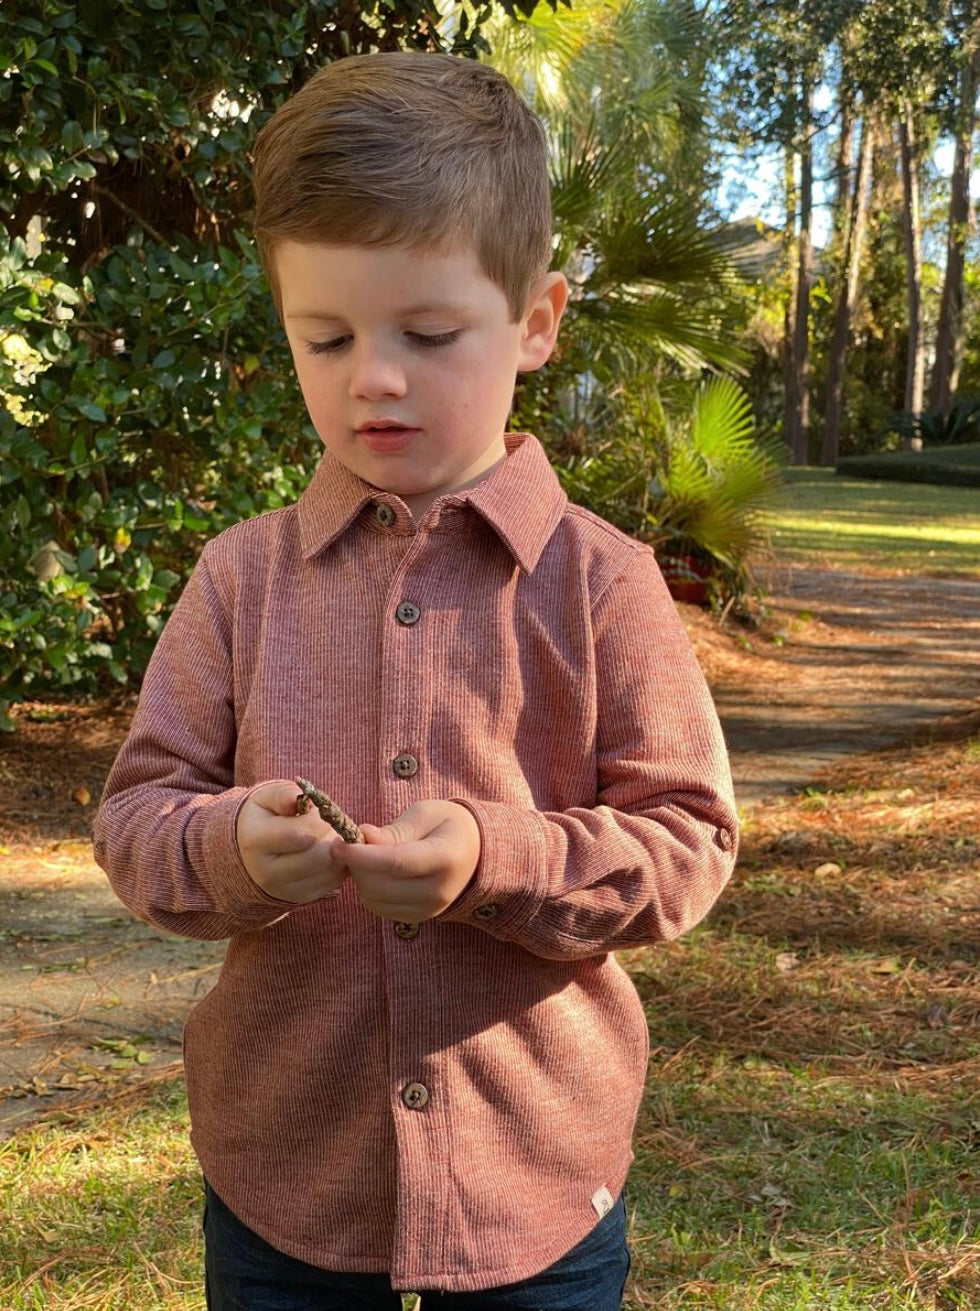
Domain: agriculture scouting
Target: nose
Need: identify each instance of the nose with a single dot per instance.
(375, 372)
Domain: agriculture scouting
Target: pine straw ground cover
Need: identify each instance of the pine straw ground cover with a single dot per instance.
(810, 1131)
(809, 1134)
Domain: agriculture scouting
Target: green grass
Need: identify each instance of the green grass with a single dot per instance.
(811, 1124)
(852, 523)
(810, 1131)
(103, 1212)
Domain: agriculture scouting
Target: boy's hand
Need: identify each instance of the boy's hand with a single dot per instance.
(289, 856)
(416, 867)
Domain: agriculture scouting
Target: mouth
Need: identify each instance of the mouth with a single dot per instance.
(386, 434)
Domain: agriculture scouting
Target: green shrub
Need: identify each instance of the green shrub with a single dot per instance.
(126, 442)
(147, 392)
(953, 466)
(959, 424)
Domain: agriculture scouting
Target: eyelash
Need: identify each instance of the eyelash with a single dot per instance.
(427, 341)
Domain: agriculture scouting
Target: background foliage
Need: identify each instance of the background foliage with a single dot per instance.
(148, 398)
(149, 395)
(656, 302)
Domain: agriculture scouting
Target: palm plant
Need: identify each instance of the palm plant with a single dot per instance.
(619, 86)
(713, 478)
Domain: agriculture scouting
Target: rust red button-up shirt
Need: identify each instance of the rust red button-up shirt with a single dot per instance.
(451, 1105)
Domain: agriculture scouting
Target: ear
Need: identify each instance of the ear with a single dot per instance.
(542, 316)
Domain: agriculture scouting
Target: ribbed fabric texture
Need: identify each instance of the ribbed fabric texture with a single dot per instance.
(548, 684)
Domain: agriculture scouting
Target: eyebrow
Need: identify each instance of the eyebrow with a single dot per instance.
(413, 311)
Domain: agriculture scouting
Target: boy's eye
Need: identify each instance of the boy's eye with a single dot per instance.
(423, 339)
(327, 347)
(435, 338)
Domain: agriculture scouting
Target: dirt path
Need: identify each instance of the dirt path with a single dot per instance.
(858, 662)
(91, 1001)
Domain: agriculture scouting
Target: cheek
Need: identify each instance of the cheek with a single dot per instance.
(316, 394)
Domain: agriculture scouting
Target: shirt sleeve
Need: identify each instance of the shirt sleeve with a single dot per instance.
(649, 859)
(165, 830)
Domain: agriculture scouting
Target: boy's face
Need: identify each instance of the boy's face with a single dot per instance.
(407, 360)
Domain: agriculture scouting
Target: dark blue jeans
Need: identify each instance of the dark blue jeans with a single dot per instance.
(243, 1273)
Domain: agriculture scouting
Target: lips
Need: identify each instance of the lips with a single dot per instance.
(386, 435)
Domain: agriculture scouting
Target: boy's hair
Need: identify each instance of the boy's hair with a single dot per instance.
(409, 149)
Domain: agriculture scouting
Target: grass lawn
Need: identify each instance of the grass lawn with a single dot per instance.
(810, 1132)
(894, 526)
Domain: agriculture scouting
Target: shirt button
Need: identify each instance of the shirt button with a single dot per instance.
(415, 1096)
(724, 839)
(385, 515)
(407, 931)
(408, 613)
(405, 766)
(487, 912)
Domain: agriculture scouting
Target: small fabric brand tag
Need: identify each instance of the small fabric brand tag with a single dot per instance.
(602, 1201)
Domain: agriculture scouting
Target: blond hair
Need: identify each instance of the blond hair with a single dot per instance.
(400, 148)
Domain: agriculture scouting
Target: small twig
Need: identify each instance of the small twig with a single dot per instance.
(130, 214)
(329, 811)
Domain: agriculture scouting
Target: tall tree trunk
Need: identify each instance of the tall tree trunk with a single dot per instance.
(798, 352)
(915, 366)
(949, 338)
(791, 409)
(847, 294)
(845, 169)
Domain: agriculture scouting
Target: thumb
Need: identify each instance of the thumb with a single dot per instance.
(278, 797)
(389, 836)
(410, 826)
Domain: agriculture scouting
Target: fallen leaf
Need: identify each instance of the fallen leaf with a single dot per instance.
(890, 965)
(82, 795)
(825, 871)
(781, 1256)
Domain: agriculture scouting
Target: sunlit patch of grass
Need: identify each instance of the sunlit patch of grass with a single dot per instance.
(817, 515)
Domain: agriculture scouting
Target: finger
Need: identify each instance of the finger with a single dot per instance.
(284, 837)
(386, 859)
(420, 821)
(305, 875)
(375, 836)
(278, 797)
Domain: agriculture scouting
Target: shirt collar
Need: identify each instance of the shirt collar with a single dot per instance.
(521, 500)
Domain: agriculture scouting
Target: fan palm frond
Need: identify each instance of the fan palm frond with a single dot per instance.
(635, 327)
(662, 242)
(582, 169)
(716, 477)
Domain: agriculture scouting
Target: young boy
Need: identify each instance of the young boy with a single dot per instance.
(421, 1065)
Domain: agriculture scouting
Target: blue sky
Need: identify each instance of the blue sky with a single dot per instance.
(752, 189)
